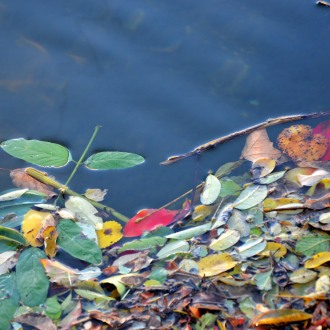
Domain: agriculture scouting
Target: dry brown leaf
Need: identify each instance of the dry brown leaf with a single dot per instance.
(22, 180)
(258, 146)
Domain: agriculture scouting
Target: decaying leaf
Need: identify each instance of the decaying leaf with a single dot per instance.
(318, 260)
(109, 234)
(211, 190)
(258, 146)
(22, 180)
(215, 264)
(96, 195)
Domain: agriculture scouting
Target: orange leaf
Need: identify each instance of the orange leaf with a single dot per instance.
(258, 146)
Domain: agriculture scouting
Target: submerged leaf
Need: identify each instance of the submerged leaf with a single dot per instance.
(108, 160)
(37, 152)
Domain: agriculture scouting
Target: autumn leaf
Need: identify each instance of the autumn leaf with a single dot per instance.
(258, 146)
(22, 180)
(147, 220)
(324, 130)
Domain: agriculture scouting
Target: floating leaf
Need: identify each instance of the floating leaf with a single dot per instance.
(228, 168)
(292, 175)
(9, 299)
(258, 146)
(229, 188)
(211, 190)
(225, 240)
(317, 260)
(50, 236)
(23, 180)
(13, 194)
(303, 275)
(37, 152)
(84, 211)
(190, 232)
(12, 235)
(147, 220)
(72, 241)
(264, 280)
(96, 195)
(250, 196)
(53, 308)
(311, 179)
(262, 167)
(108, 160)
(118, 283)
(143, 244)
(110, 234)
(273, 177)
(280, 316)
(251, 247)
(215, 264)
(276, 249)
(323, 284)
(8, 261)
(90, 295)
(31, 226)
(309, 245)
(32, 282)
(324, 129)
(173, 248)
(300, 144)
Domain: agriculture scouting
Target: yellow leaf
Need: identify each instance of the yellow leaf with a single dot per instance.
(215, 264)
(278, 250)
(317, 260)
(31, 226)
(110, 234)
(280, 316)
(50, 237)
(262, 167)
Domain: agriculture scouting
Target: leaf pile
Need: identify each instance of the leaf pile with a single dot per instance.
(252, 253)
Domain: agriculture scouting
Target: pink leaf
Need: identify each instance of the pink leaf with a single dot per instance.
(324, 129)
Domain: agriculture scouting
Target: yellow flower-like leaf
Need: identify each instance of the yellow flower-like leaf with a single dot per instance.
(215, 264)
(50, 237)
(31, 226)
(110, 234)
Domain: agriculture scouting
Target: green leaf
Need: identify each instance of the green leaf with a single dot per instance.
(225, 240)
(264, 280)
(272, 177)
(143, 244)
(211, 190)
(32, 282)
(228, 168)
(172, 248)
(191, 232)
(37, 152)
(53, 308)
(108, 160)
(310, 245)
(251, 247)
(250, 196)
(229, 188)
(9, 299)
(13, 235)
(71, 240)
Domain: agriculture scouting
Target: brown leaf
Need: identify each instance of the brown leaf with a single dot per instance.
(37, 321)
(21, 179)
(258, 146)
(67, 322)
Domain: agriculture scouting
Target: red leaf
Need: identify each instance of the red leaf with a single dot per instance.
(147, 220)
(324, 129)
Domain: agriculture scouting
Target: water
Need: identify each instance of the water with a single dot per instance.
(161, 77)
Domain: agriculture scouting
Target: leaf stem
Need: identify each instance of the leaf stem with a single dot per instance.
(44, 178)
(97, 128)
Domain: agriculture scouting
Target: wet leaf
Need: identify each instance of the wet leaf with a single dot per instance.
(262, 167)
(32, 282)
(317, 260)
(225, 240)
(13, 194)
(211, 190)
(258, 146)
(228, 168)
(277, 250)
(273, 177)
(311, 179)
(323, 284)
(84, 211)
(73, 242)
(215, 264)
(67, 322)
(279, 316)
(303, 275)
(90, 295)
(53, 308)
(109, 160)
(39, 322)
(8, 261)
(190, 232)
(117, 281)
(23, 180)
(229, 188)
(96, 195)
(310, 245)
(264, 280)
(324, 127)
(143, 244)
(12, 235)
(50, 236)
(250, 196)
(147, 220)
(110, 234)
(37, 152)
(172, 248)
(292, 175)
(251, 247)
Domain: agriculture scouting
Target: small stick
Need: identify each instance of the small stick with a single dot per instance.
(44, 178)
(267, 123)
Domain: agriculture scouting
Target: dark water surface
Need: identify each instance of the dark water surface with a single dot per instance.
(161, 77)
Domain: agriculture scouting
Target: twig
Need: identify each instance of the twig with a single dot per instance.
(267, 123)
(44, 178)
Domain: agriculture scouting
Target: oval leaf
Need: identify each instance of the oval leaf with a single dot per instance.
(225, 240)
(215, 264)
(32, 282)
(318, 260)
(71, 240)
(211, 190)
(37, 152)
(108, 160)
(250, 196)
(172, 248)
